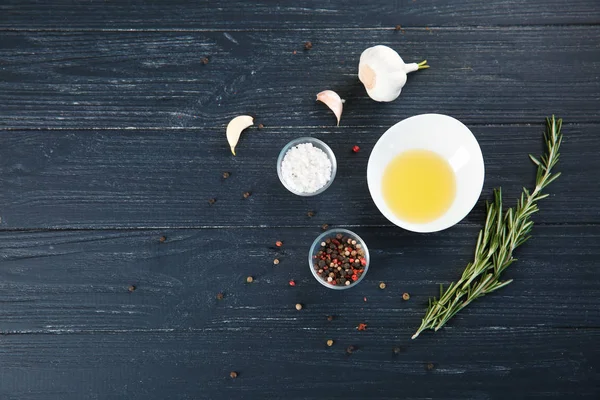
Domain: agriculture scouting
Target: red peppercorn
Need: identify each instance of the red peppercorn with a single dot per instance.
(363, 261)
(278, 243)
(292, 283)
(356, 149)
(354, 277)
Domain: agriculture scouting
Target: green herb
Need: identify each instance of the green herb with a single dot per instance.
(502, 233)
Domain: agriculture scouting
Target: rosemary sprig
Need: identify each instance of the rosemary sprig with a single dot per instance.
(502, 233)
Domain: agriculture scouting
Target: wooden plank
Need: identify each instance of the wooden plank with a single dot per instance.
(157, 79)
(77, 281)
(528, 363)
(308, 15)
(155, 178)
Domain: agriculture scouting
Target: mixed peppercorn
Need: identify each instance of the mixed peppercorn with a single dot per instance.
(340, 260)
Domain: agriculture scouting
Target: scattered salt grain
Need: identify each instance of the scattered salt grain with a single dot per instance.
(306, 168)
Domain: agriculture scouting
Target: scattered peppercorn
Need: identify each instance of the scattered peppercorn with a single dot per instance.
(276, 261)
(398, 27)
(396, 350)
(330, 343)
(204, 60)
(362, 327)
(382, 285)
(212, 201)
(365, 299)
(162, 239)
(356, 149)
(292, 282)
(307, 46)
(405, 296)
(226, 175)
(294, 52)
(330, 318)
(279, 243)
(310, 214)
(247, 194)
(249, 279)
(325, 227)
(298, 306)
(233, 374)
(260, 126)
(429, 366)
(350, 349)
(131, 288)
(220, 296)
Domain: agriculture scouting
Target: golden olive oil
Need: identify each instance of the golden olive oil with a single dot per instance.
(419, 186)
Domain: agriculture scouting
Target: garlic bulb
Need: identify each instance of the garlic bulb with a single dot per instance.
(383, 72)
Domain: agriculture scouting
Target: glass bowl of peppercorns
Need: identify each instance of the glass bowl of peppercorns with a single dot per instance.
(339, 259)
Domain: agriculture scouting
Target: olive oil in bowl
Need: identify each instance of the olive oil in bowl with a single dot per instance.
(419, 186)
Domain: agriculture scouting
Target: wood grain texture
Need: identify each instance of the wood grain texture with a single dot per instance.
(77, 281)
(273, 15)
(112, 136)
(157, 79)
(532, 363)
(154, 178)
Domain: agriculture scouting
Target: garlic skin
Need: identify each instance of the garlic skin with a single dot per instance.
(332, 100)
(235, 128)
(383, 72)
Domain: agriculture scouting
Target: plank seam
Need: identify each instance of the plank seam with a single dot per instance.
(198, 128)
(374, 28)
(238, 227)
(70, 331)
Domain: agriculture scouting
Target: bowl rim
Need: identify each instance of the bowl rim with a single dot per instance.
(329, 233)
(312, 140)
(428, 227)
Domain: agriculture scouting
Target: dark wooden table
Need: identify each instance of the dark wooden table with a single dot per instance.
(112, 136)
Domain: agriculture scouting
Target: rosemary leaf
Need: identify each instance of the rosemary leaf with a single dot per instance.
(502, 233)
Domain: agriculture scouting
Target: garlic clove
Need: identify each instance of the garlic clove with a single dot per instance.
(235, 128)
(383, 72)
(332, 100)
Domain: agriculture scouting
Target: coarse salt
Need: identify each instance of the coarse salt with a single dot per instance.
(306, 168)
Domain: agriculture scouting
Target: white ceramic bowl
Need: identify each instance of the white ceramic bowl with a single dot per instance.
(445, 136)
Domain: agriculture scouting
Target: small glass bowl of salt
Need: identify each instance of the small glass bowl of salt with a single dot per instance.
(306, 166)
